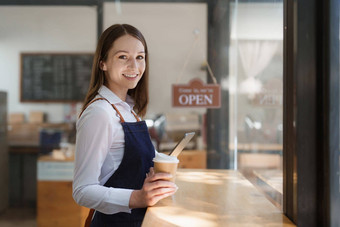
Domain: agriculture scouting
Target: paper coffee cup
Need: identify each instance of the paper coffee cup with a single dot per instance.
(165, 164)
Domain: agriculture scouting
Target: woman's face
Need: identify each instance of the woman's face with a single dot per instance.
(125, 65)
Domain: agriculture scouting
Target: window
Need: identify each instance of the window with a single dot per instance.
(256, 93)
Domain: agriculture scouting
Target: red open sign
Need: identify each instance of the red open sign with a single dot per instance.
(196, 94)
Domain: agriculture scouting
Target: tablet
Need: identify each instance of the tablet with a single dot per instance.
(181, 145)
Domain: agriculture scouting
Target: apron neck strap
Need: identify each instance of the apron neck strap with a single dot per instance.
(90, 104)
(134, 114)
(114, 107)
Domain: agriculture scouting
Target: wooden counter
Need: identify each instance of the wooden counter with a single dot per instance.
(55, 205)
(210, 198)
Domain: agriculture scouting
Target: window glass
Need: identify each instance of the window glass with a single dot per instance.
(256, 93)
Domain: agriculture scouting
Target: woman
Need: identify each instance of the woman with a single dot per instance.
(113, 161)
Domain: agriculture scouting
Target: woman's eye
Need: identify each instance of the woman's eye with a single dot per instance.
(140, 57)
(122, 57)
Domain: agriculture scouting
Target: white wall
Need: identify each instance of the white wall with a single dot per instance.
(169, 31)
(41, 29)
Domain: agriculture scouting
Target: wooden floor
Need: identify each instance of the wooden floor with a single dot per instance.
(15, 217)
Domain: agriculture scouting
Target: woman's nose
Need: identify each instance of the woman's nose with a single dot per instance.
(132, 63)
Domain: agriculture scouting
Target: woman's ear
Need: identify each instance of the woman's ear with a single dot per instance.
(102, 66)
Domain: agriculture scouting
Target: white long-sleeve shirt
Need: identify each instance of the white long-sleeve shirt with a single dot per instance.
(99, 152)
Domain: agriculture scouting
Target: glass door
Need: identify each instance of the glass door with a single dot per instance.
(256, 93)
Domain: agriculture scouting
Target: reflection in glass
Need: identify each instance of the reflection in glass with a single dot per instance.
(256, 93)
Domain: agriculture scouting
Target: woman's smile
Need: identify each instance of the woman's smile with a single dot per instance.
(132, 76)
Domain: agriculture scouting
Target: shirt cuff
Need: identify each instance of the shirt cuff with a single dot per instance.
(124, 199)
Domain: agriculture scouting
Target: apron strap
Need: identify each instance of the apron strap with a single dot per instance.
(89, 218)
(134, 114)
(90, 104)
(114, 107)
(120, 115)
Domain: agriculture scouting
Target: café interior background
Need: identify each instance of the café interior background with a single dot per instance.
(176, 34)
(255, 54)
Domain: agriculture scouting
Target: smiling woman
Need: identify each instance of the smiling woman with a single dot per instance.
(113, 172)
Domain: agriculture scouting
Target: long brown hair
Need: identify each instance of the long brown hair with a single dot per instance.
(140, 93)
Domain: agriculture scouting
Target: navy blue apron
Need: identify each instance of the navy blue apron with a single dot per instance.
(131, 173)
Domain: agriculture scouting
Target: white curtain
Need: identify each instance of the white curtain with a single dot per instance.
(255, 56)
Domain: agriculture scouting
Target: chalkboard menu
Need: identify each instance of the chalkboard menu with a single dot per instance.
(55, 77)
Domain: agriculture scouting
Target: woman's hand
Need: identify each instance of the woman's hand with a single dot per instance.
(156, 187)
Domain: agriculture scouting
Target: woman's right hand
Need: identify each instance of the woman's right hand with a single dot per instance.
(156, 187)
